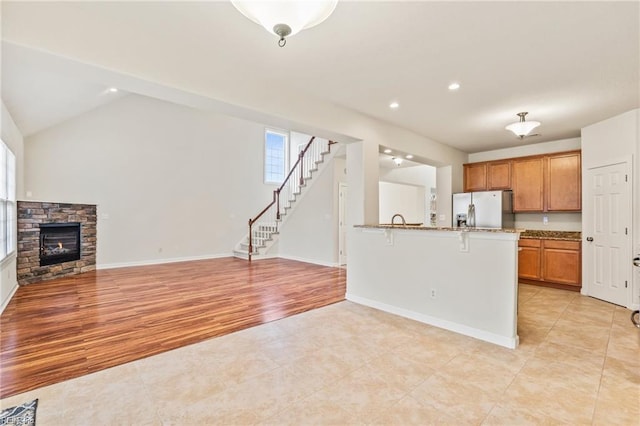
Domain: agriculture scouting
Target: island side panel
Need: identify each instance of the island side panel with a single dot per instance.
(473, 274)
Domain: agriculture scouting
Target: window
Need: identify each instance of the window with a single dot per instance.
(7, 201)
(275, 158)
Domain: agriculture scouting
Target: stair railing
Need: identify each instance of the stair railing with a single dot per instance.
(291, 184)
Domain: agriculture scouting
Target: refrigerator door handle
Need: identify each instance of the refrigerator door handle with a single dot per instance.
(471, 216)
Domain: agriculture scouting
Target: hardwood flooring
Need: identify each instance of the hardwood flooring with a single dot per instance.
(65, 328)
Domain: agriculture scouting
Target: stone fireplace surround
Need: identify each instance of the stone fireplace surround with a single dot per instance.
(30, 215)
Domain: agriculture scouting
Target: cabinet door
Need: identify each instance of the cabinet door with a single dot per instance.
(563, 183)
(561, 262)
(528, 178)
(529, 259)
(499, 175)
(475, 177)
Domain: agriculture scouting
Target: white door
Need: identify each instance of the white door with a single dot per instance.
(342, 225)
(607, 236)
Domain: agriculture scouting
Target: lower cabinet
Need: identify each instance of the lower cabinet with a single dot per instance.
(552, 262)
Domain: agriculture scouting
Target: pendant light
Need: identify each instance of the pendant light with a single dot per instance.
(522, 128)
(286, 17)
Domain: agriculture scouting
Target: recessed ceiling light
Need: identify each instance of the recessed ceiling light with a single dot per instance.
(408, 156)
(394, 105)
(113, 89)
(454, 86)
(387, 151)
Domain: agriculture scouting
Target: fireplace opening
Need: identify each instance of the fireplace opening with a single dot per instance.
(59, 242)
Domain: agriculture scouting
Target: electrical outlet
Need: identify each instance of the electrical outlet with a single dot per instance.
(545, 220)
(433, 293)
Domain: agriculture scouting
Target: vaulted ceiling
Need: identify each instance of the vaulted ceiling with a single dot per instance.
(569, 64)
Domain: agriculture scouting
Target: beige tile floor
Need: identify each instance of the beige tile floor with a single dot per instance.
(578, 363)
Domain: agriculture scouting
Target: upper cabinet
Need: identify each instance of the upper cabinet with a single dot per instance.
(528, 185)
(564, 182)
(475, 177)
(499, 175)
(541, 183)
(487, 176)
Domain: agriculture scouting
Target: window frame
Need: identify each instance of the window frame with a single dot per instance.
(8, 202)
(266, 175)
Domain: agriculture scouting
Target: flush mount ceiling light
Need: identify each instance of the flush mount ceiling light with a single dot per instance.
(387, 151)
(522, 128)
(409, 156)
(286, 17)
(394, 105)
(454, 86)
(397, 160)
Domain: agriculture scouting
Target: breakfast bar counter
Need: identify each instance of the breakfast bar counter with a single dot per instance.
(461, 279)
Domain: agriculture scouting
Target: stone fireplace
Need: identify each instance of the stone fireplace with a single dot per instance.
(55, 240)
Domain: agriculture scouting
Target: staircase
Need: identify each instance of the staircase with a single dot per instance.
(265, 226)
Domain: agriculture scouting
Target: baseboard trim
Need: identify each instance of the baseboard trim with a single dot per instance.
(162, 261)
(507, 342)
(5, 303)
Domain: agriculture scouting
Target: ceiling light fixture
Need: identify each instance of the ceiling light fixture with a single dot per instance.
(408, 156)
(387, 151)
(454, 86)
(112, 89)
(522, 128)
(394, 105)
(397, 160)
(286, 17)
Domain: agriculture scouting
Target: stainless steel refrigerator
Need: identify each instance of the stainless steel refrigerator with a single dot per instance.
(484, 209)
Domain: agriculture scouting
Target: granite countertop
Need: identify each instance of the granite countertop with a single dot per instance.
(431, 228)
(552, 235)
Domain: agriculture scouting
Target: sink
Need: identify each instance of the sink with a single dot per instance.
(400, 225)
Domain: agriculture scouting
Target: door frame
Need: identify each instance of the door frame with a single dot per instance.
(342, 215)
(586, 290)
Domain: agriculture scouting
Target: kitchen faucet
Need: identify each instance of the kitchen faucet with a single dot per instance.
(404, 222)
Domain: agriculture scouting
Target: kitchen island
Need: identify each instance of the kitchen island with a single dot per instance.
(460, 279)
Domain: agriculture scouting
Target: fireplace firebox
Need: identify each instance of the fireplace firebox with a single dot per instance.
(59, 242)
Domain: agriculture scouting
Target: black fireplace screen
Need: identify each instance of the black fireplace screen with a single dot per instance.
(59, 242)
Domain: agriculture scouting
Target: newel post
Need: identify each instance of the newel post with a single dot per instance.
(276, 194)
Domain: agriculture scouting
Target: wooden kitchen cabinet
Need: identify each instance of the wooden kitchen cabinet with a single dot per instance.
(550, 262)
(529, 259)
(561, 262)
(563, 188)
(487, 176)
(475, 177)
(540, 183)
(528, 184)
(498, 175)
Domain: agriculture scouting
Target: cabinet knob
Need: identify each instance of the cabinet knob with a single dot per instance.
(589, 239)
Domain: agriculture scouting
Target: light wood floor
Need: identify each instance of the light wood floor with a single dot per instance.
(65, 328)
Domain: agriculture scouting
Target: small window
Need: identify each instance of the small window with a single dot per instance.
(275, 158)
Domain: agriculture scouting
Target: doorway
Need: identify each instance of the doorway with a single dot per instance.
(607, 233)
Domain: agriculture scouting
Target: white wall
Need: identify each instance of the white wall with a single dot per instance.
(418, 175)
(555, 221)
(404, 190)
(310, 233)
(170, 182)
(12, 137)
(525, 150)
(475, 287)
(610, 141)
(407, 200)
